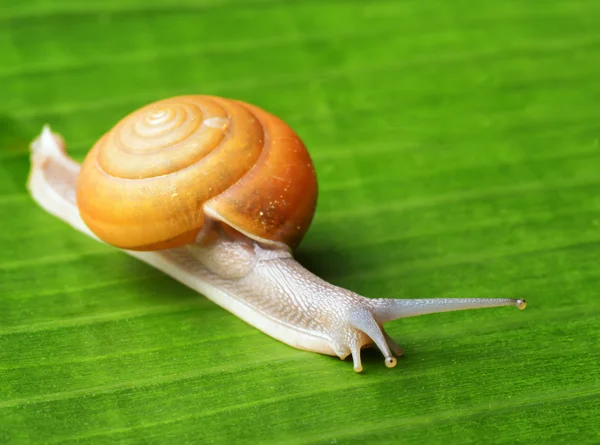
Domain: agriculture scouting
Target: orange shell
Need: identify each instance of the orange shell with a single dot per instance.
(150, 182)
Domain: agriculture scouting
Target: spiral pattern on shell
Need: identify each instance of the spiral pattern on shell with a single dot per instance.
(152, 181)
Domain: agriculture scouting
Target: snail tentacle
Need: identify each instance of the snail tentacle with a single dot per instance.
(396, 349)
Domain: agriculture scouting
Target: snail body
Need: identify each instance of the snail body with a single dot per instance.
(218, 193)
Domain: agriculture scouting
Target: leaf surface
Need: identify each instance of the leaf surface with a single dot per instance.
(457, 150)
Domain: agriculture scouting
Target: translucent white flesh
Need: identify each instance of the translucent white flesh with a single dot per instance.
(266, 288)
(52, 184)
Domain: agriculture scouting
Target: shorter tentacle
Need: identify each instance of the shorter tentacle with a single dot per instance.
(356, 358)
(392, 344)
(364, 321)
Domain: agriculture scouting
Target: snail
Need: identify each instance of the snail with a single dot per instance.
(218, 194)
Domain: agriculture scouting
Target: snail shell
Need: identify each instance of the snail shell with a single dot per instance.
(153, 180)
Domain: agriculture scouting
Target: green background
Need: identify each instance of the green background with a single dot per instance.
(457, 149)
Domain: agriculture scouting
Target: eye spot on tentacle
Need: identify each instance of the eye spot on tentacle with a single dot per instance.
(390, 362)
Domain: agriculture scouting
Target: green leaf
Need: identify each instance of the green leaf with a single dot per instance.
(457, 149)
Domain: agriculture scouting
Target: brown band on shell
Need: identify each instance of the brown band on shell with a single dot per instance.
(276, 200)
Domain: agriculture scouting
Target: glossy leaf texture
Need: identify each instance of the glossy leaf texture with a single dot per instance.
(457, 146)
